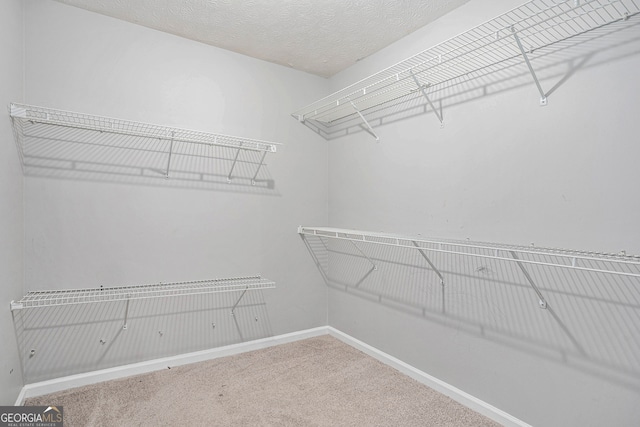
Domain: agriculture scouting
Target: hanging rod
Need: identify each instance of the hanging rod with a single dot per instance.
(573, 259)
(535, 25)
(37, 299)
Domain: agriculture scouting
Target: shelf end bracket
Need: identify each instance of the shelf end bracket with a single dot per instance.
(543, 96)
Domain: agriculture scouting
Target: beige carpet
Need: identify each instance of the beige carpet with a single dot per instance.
(315, 382)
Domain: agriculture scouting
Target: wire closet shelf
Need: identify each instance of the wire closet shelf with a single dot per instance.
(47, 137)
(511, 36)
(615, 264)
(36, 299)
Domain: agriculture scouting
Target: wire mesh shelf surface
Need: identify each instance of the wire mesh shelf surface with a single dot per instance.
(534, 25)
(75, 143)
(33, 114)
(616, 264)
(124, 293)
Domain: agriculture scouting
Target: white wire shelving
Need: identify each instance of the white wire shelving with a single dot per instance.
(509, 38)
(53, 138)
(54, 298)
(523, 256)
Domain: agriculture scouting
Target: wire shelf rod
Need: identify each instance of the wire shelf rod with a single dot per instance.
(473, 63)
(538, 23)
(338, 234)
(51, 298)
(217, 141)
(53, 117)
(566, 253)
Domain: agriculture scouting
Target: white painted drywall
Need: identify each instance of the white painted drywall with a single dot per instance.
(11, 211)
(502, 169)
(86, 234)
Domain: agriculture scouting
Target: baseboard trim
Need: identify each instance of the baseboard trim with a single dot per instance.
(72, 381)
(456, 394)
(21, 396)
(79, 380)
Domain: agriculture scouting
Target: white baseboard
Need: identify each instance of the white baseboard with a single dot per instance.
(79, 380)
(64, 383)
(456, 394)
(21, 396)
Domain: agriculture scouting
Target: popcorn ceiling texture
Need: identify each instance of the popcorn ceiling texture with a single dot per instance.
(319, 37)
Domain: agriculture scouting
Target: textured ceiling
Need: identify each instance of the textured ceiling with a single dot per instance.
(321, 37)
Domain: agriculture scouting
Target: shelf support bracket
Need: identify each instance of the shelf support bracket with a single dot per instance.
(126, 315)
(375, 267)
(238, 302)
(543, 96)
(541, 301)
(169, 159)
(235, 160)
(365, 121)
(433, 267)
(253, 180)
(424, 93)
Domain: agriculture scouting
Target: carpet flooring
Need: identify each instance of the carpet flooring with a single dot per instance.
(314, 382)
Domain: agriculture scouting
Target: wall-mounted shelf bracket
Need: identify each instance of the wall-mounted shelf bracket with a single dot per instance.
(255, 175)
(235, 160)
(433, 267)
(365, 121)
(543, 96)
(424, 93)
(238, 302)
(375, 267)
(542, 302)
(126, 315)
(170, 152)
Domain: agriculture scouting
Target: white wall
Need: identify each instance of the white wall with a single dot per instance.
(11, 211)
(82, 233)
(503, 169)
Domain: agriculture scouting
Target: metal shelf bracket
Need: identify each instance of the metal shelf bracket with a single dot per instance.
(543, 96)
(126, 314)
(542, 302)
(235, 160)
(375, 267)
(424, 93)
(433, 267)
(169, 159)
(365, 121)
(253, 180)
(238, 302)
